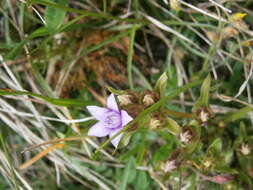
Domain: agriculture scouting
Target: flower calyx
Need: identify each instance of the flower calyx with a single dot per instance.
(125, 99)
(149, 98)
(203, 115)
(187, 135)
(155, 123)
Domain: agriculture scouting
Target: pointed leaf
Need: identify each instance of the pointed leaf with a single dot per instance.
(173, 126)
(55, 101)
(55, 16)
(216, 146)
(115, 91)
(233, 116)
(204, 94)
(161, 84)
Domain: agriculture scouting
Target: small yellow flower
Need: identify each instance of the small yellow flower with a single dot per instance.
(246, 43)
(175, 5)
(236, 17)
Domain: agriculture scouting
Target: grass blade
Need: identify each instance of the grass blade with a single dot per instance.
(58, 102)
(127, 173)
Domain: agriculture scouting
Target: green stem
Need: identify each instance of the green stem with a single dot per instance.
(104, 6)
(130, 57)
(178, 114)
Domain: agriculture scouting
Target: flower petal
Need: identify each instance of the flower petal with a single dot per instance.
(98, 130)
(125, 118)
(116, 140)
(97, 112)
(111, 103)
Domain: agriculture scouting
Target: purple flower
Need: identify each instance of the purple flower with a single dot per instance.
(110, 120)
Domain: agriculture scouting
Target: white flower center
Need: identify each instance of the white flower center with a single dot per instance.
(112, 120)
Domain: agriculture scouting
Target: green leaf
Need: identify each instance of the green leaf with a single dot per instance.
(161, 154)
(243, 132)
(190, 148)
(129, 172)
(173, 126)
(228, 156)
(42, 31)
(125, 139)
(216, 146)
(142, 149)
(18, 48)
(115, 91)
(55, 16)
(142, 181)
(233, 116)
(204, 94)
(225, 169)
(84, 12)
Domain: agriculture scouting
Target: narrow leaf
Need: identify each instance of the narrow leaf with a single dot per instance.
(230, 117)
(129, 169)
(58, 102)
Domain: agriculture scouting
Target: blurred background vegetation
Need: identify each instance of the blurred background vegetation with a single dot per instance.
(71, 51)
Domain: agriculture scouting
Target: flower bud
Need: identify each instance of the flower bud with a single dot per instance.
(154, 123)
(221, 124)
(229, 32)
(220, 179)
(124, 99)
(148, 100)
(207, 163)
(161, 85)
(203, 115)
(245, 149)
(213, 36)
(173, 127)
(169, 166)
(185, 137)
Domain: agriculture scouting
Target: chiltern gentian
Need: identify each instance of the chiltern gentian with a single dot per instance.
(110, 120)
